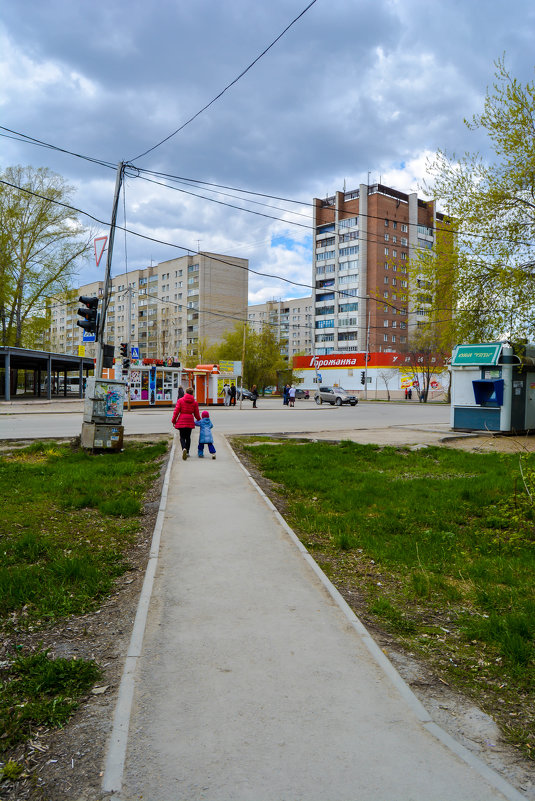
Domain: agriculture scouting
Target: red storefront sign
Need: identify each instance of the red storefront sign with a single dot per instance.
(345, 361)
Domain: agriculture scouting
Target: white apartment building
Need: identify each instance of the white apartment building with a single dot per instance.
(166, 310)
(292, 321)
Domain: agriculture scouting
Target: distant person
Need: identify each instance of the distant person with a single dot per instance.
(205, 435)
(410, 393)
(406, 393)
(232, 394)
(226, 394)
(180, 393)
(291, 396)
(254, 395)
(286, 395)
(184, 416)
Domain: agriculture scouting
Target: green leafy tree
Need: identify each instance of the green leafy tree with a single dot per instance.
(492, 209)
(262, 354)
(41, 243)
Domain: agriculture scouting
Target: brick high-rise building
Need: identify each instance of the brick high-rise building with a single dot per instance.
(363, 244)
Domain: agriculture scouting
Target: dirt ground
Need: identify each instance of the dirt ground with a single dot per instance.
(67, 764)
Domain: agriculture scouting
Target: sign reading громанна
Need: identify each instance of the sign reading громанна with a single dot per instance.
(477, 354)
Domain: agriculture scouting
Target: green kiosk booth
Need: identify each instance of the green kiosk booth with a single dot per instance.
(493, 387)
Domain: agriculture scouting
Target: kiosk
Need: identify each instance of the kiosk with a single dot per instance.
(493, 387)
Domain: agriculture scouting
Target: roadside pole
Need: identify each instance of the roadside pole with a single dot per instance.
(366, 365)
(102, 323)
(242, 363)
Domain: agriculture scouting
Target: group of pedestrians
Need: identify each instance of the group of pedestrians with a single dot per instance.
(185, 417)
(288, 395)
(229, 394)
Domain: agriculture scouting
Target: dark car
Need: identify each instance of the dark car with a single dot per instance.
(302, 393)
(247, 394)
(336, 396)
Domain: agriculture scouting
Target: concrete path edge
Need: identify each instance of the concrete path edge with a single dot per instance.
(112, 778)
(117, 744)
(490, 775)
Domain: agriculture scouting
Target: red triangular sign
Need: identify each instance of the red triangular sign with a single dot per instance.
(100, 248)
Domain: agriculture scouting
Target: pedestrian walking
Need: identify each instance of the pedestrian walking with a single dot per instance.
(233, 394)
(410, 393)
(254, 393)
(291, 396)
(184, 416)
(205, 435)
(180, 393)
(406, 393)
(226, 394)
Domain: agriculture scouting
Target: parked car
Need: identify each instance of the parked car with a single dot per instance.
(302, 393)
(336, 396)
(247, 394)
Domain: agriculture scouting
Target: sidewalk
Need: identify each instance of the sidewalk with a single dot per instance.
(254, 681)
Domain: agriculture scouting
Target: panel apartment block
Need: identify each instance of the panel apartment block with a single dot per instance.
(291, 320)
(165, 309)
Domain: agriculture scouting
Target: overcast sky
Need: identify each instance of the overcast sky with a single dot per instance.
(355, 88)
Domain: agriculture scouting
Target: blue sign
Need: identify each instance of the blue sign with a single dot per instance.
(134, 353)
(88, 337)
(319, 378)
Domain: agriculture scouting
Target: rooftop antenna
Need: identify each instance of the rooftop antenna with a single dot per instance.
(344, 186)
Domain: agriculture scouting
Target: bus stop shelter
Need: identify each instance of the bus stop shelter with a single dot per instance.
(46, 375)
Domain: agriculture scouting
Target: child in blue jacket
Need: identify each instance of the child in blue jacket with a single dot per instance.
(205, 434)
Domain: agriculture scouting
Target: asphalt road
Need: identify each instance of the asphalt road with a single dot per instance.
(31, 421)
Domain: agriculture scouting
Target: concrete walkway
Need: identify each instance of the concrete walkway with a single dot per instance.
(252, 680)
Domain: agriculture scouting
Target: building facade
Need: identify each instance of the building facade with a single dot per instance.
(171, 309)
(363, 244)
(292, 321)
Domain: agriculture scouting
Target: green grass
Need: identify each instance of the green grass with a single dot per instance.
(68, 516)
(38, 691)
(68, 519)
(439, 543)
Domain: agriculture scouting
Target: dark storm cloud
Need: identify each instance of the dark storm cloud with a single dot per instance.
(353, 88)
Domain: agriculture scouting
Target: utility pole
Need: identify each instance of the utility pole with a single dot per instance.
(242, 363)
(102, 325)
(367, 353)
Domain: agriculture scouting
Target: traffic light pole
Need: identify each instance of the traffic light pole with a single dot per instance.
(102, 323)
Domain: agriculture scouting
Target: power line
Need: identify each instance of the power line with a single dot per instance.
(339, 292)
(244, 72)
(21, 137)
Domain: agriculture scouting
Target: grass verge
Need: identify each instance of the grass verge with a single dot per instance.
(436, 546)
(68, 519)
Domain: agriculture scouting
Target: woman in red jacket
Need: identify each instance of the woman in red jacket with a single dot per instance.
(184, 416)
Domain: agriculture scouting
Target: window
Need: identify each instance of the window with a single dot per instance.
(386, 251)
(386, 265)
(385, 337)
(404, 241)
(324, 323)
(386, 223)
(393, 338)
(385, 323)
(394, 239)
(404, 228)
(387, 237)
(385, 294)
(327, 256)
(395, 254)
(395, 224)
(385, 279)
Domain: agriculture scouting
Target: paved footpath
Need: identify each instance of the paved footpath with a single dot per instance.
(252, 680)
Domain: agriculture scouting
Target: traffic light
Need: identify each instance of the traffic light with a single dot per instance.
(89, 314)
(126, 364)
(363, 377)
(124, 350)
